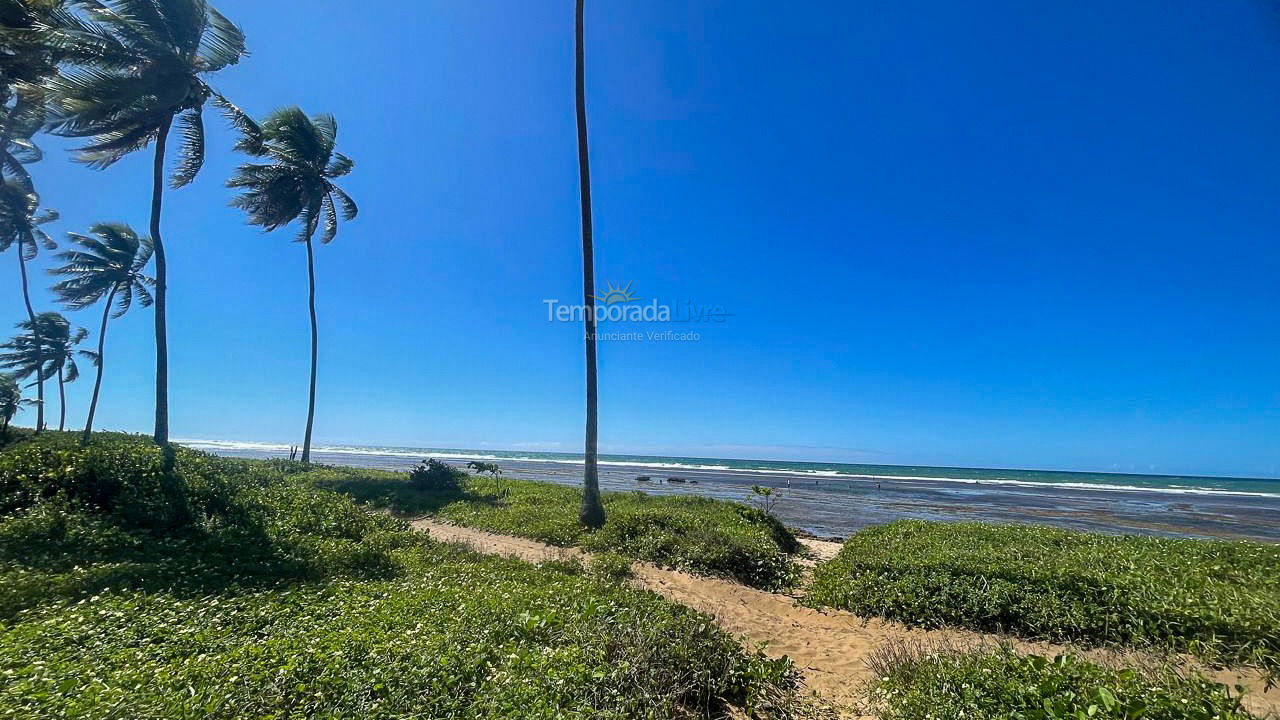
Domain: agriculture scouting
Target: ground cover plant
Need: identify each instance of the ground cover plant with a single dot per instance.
(1217, 600)
(999, 684)
(699, 534)
(237, 589)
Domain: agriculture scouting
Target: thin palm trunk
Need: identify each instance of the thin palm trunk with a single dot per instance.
(97, 382)
(311, 299)
(35, 337)
(162, 275)
(62, 402)
(592, 511)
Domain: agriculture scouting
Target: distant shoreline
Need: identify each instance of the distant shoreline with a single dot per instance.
(1210, 484)
(827, 504)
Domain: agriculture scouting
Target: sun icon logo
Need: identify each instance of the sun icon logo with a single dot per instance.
(617, 294)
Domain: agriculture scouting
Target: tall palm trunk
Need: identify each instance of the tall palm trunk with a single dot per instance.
(62, 402)
(161, 294)
(97, 382)
(311, 398)
(35, 337)
(592, 512)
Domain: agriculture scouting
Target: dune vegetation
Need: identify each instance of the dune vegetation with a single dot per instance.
(1217, 600)
(703, 535)
(996, 683)
(238, 588)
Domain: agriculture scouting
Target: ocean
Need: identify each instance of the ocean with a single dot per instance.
(837, 499)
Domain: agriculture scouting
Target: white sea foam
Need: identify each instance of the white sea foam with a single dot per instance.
(234, 446)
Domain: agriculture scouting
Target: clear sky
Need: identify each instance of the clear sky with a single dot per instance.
(995, 233)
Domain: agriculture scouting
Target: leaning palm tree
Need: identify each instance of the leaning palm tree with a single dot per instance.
(592, 512)
(61, 360)
(20, 226)
(45, 348)
(148, 73)
(110, 266)
(297, 185)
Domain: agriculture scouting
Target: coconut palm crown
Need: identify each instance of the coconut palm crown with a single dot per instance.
(146, 74)
(298, 182)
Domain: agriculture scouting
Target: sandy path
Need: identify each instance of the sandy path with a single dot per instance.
(830, 647)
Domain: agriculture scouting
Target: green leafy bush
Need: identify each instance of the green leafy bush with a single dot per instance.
(434, 475)
(998, 684)
(279, 599)
(1218, 600)
(56, 466)
(699, 534)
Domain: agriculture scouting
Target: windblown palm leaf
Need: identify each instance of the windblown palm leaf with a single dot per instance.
(148, 71)
(36, 36)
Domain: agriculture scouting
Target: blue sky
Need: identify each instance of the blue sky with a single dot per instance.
(997, 234)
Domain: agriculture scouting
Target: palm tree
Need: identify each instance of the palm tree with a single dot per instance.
(148, 72)
(110, 265)
(10, 400)
(297, 185)
(61, 360)
(20, 224)
(592, 511)
(45, 347)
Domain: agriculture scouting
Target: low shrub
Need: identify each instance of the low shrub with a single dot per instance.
(999, 684)
(55, 466)
(434, 475)
(1218, 600)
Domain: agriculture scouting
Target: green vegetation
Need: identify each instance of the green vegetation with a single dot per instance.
(239, 589)
(609, 566)
(692, 533)
(998, 684)
(1217, 600)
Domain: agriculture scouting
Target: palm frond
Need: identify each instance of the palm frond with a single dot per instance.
(221, 44)
(340, 165)
(349, 208)
(191, 154)
(250, 134)
(330, 220)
